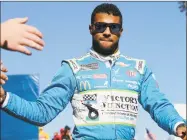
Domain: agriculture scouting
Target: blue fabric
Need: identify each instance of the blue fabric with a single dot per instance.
(89, 83)
(27, 87)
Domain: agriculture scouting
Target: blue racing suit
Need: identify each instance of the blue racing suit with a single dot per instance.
(104, 93)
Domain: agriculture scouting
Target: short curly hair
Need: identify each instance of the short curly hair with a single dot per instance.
(107, 8)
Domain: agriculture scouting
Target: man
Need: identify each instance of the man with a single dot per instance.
(104, 88)
(67, 134)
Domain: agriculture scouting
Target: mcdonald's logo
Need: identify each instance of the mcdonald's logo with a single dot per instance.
(84, 85)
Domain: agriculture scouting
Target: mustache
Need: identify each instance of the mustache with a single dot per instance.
(104, 39)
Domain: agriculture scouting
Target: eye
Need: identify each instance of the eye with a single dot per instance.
(113, 26)
(99, 26)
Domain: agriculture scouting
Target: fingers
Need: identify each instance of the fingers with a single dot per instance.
(34, 38)
(21, 20)
(1, 91)
(2, 81)
(3, 69)
(30, 43)
(182, 134)
(23, 49)
(33, 30)
(3, 77)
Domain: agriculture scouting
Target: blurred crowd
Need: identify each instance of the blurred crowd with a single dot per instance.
(63, 134)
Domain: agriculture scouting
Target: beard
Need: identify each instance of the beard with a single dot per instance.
(102, 50)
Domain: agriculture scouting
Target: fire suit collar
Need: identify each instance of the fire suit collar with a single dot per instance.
(100, 57)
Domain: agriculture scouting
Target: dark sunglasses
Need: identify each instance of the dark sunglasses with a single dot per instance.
(100, 27)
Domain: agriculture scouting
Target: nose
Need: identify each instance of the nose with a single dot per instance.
(107, 32)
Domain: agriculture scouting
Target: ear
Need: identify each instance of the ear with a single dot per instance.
(91, 29)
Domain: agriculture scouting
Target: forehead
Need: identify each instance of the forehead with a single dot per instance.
(104, 17)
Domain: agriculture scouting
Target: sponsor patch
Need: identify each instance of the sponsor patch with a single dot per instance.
(91, 66)
(85, 85)
(84, 77)
(132, 82)
(117, 80)
(74, 65)
(122, 64)
(99, 76)
(131, 73)
(132, 86)
(116, 72)
(140, 65)
(89, 97)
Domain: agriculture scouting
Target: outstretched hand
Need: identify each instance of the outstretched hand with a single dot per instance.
(3, 79)
(15, 35)
(3, 76)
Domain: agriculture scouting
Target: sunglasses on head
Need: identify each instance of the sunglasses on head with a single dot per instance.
(100, 27)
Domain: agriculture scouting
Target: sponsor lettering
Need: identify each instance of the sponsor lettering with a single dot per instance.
(117, 80)
(122, 64)
(99, 76)
(84, 77)
(126, 99)
(91, 66)
(131, 86)
(116, 72)
(140, 65)
(120, 102)
(131, 73)
(132, 82)
(103, 107)
(85, 85)
(127, 107)
(73, 64)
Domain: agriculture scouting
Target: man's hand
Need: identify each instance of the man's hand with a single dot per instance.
(3, 78)
(181, 131)
(15, 35)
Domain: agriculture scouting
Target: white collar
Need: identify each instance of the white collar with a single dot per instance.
(100, 57)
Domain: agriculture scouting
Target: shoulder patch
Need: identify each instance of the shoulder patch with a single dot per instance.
(73, 64)
(140, 63)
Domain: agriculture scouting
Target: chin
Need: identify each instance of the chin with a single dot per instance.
(105, 48)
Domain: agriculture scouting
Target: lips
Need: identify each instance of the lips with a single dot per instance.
(106, 40)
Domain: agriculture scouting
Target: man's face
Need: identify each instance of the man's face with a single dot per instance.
(105, 42)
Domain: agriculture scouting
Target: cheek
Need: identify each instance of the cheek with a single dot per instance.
(97, 36)
(115, 38)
